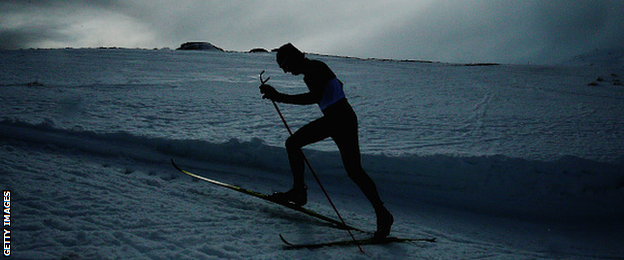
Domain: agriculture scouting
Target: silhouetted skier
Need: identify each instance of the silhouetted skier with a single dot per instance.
(338, 122)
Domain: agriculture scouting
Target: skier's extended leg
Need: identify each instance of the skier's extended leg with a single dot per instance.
(348, 144)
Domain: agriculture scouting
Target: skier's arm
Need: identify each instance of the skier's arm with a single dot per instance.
(299, 99)
(312, 97)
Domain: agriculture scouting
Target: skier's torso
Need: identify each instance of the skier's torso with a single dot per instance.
(321, 79)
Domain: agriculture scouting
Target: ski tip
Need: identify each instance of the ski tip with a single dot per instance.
(284, 240)
(175, 165)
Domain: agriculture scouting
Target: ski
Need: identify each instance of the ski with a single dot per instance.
(338, 224)
(351, 242)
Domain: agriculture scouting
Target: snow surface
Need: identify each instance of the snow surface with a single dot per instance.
(497, 162)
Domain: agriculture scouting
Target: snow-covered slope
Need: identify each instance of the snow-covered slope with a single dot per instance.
(497, 162)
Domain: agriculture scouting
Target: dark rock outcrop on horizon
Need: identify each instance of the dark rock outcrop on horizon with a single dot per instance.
(258, 50)
(199, 46)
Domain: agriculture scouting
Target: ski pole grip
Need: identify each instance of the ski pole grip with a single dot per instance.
(263, 80)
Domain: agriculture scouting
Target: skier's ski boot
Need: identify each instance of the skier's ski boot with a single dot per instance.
(297, 197)
(384, 223)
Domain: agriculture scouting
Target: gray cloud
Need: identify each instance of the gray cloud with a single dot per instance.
(40, 23)
(443, 30)
(505, 31)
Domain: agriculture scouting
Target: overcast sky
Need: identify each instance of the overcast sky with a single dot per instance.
(505, 31)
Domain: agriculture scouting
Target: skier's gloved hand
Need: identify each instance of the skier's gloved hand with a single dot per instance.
(268, 91)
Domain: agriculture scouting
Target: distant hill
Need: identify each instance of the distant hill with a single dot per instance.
(199, 46)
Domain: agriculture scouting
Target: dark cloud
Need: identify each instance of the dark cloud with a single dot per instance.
(21, 37)
(42, 6)
(36, 23)
(444, 30)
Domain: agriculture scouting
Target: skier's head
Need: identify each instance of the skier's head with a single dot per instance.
(289, 58)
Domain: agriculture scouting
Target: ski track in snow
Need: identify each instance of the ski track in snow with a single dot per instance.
(86, 157)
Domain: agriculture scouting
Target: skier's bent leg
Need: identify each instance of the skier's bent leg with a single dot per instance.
(297, 165)
(314, 131)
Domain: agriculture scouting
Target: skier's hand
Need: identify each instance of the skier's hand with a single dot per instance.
(268, 91)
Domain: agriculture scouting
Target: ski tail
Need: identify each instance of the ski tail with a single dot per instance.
(222, 184)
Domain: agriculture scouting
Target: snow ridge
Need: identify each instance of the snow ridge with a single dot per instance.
(570, 187)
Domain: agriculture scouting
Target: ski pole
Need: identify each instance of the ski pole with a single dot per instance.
(305, 159)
